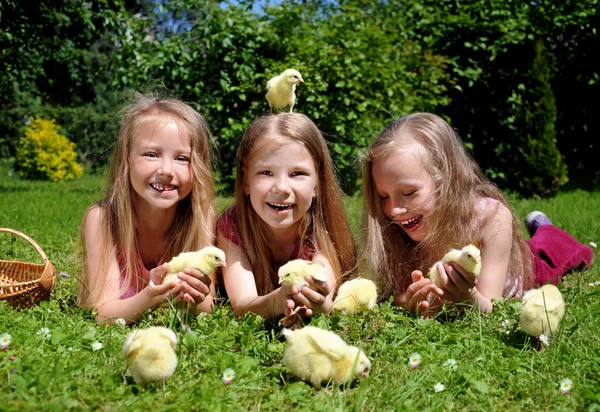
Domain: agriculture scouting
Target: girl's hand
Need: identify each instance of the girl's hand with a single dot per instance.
(157, 293)
(195, 286)
(317, 296)
(286, 301)
(456, 281)
(422, 296)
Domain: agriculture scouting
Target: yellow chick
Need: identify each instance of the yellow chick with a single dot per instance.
(293, 273)
(542, 310)
(280, 89)
(205, 260)
(152, 354)
(356, 295)
(469, 257)
(319, 355)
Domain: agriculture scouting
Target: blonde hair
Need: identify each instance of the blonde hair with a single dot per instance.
(388, 252)
(191, 229)
(325, 225)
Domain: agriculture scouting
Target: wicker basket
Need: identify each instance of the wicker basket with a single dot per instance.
(24, 284)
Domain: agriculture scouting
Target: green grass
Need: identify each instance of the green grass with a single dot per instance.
(499, 368)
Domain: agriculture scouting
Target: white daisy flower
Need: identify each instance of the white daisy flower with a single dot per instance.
(593, 244)
(544, 339)
(438, 387)
(566, 385)
(505, 323)
(5, 339)
(44, 333)
(96, 346)
(228, 376)
(451, 364)
(121, 322)
(414, 360)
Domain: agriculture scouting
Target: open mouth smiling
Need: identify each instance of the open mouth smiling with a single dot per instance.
(411, 223)
(280, 207)
(162, 187)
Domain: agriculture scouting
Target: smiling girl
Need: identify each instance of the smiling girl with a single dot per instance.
(158, 203)
(424, 194)
(288, 205)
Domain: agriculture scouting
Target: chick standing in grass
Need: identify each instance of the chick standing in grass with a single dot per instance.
(469, 257)
(423, 191)
(318, 356)
(542, 311)
(355, 296)
(205, 260)
(152, 355)
(281, 89)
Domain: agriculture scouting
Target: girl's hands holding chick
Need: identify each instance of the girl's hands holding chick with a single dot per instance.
(317, 296)
(456, 281)
(422, 296)
(195, 286)
(157, 293)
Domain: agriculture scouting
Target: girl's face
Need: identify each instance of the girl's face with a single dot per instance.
(159, 164)
(281, 183)
(406, 190)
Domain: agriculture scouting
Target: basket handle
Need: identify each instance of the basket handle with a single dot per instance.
(27, 238)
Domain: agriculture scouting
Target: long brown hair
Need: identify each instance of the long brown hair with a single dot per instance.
(388, 252)
(191, 229)
(325, 225)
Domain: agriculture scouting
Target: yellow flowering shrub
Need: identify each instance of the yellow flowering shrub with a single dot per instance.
(45, 154)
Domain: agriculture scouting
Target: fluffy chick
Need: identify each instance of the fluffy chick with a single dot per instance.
(469, 257)
(319, 355)
(280, 89)
(356, 295)
(293, 273)
(152, 354)
(542, 310)
(205, 260)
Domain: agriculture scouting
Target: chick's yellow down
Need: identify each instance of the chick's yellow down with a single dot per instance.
(151, 353)
(469, 257)
(205, 260)
(542, 310)
(293, 273)
(318, 355)
(281, 89)
(356, 295)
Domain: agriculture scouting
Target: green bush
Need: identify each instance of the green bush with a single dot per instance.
(45, 154)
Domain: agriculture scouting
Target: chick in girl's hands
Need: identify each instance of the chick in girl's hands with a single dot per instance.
(319, 355)
(152, 354)
(469, 257)
(205, 260)
(542, 310)
(293, 273)
(356, 295)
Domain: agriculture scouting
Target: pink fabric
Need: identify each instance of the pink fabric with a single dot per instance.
(555, 253)
(228, 227)
(138, 283)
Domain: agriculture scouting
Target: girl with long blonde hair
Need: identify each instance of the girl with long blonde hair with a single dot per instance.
(424, 194)
(288, 205)
(158, 202)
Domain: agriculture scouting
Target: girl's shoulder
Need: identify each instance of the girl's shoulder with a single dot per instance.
(227, 226)
(94, 215)
(488, 209)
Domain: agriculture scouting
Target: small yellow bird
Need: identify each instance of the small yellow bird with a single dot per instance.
(293, 273)
(469, 257)
(356, 295)
(152, 354)
(542, 310)
(205, 260)
(318, 356)
(280, 90)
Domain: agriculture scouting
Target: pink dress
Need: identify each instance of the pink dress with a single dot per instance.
(139, 280)
(555, 253)
(228, 227)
